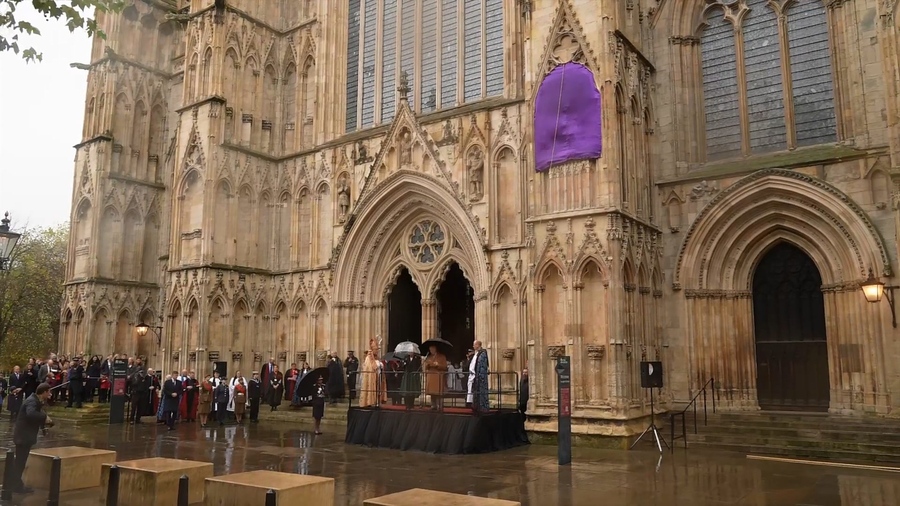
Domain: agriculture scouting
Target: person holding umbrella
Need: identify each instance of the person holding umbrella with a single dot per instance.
(435, 368)
(319, 404)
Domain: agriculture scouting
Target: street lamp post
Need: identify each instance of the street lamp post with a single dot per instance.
(142, 329)
(875, 290)
(8, 241)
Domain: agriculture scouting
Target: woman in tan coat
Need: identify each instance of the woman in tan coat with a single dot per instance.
(435, 367)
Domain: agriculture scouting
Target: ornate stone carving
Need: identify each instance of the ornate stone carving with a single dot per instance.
(361, 153)
(192, 356)
(427, 242)
(237, 356)
(213, 356)
(405, 148)
(301, 357)
(596, 352)
(554, 352)
(321, 354)
(343, 193)
(282, 355)
(509, 353)
(475, 170)
(448, 136)
(702, 189)
(257, 357)
(176, 355)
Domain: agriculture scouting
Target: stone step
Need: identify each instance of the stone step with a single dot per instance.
(798, 442)
(814, 453)
(826, 426)
(334, 415)
(858, 439)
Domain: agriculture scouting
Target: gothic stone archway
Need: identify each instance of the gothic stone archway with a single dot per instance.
(719, 255)
(411, 220)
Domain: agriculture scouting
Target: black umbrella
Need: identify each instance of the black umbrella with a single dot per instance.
(443, 345)
(306, 387)
(394, 355)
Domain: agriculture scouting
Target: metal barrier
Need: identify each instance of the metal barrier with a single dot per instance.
(55, 477)
(439, 391)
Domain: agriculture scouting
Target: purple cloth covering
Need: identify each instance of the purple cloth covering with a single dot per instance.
(567, 117)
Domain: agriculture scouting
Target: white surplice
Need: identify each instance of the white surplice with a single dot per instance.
(470, 397)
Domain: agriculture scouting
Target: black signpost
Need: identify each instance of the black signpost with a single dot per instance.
(119, 388)
(564, 414)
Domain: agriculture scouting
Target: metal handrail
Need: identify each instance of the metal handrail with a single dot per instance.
(499, 395)
(710, 383)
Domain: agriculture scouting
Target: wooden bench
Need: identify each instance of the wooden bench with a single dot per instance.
(422, 497)
(154, 482)
(79, 467)
(250, 489)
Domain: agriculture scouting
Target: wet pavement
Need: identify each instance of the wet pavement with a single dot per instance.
(527, 474)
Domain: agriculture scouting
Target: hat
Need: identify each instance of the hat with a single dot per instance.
(351, 351)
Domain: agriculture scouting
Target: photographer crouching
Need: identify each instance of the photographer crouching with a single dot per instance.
(30, 421)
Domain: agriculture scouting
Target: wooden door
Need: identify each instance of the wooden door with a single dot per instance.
(789, 323)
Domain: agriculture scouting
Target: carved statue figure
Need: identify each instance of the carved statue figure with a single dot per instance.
(344, 197)
(475, 167)
(405, 148)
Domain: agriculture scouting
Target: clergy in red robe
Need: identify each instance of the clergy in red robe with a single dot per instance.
(291, 379)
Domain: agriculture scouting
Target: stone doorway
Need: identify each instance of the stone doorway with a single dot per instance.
(456, 312)
(789, 322)
(404, 312)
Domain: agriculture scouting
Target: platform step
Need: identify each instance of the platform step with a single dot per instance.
(89, 414)
(334, 415)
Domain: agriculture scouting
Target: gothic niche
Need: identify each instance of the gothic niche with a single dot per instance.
(475, 171)
(426, 242)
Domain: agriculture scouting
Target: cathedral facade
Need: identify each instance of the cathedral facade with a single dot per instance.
(699, 182)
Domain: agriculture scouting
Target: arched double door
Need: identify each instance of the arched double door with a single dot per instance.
(789, 331)
(455, 312)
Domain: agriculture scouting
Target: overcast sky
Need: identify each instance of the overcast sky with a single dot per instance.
(41, 113)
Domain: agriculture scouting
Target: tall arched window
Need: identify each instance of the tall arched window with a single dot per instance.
(450, 50)
(777, 64)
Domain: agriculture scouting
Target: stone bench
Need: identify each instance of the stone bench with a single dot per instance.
(422, 497)
(79, 467)
(154, 482)
(250, 488)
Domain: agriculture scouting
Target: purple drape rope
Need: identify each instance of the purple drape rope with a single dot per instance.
(562, 82)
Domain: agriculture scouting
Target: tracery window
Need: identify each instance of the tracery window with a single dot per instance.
(426, 242)
(767, 77)
(450, 50)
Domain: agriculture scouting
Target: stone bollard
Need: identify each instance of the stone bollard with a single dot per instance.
(55, 477)
(6, 493)
(112, 491)
(183, 484)
(270, 498)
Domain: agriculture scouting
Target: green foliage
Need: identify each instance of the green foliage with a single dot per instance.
(30, 294)
(71, 12)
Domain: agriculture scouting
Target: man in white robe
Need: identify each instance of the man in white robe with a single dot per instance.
(234, 381)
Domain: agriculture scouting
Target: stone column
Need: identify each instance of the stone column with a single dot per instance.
(429, 320)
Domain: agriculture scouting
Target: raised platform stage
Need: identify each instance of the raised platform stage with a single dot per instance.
(453, 431)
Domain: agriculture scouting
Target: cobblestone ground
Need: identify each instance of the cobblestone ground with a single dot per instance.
(528, 474)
